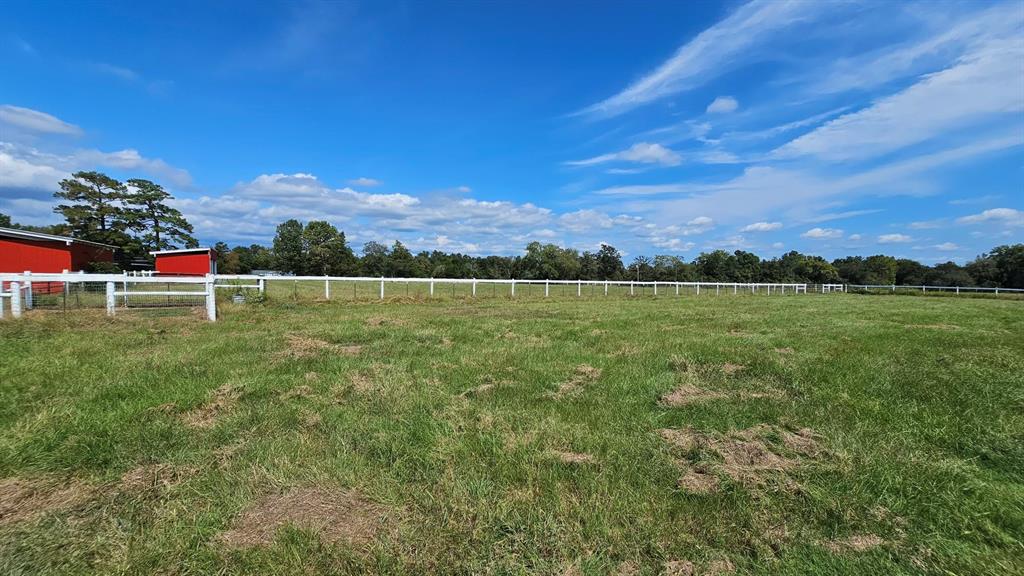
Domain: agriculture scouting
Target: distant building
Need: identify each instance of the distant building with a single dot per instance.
(186, 262)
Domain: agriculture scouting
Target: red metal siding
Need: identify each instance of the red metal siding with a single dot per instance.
(18, 255)
(193, 264)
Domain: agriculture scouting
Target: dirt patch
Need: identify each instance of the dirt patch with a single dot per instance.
(166, 408)
(786, 350)
(678, 568)
(856, 543)
(570, 457)
(153, 476)
(598, 332)
(740, 333)
(748, 456)
(698, 482)
(299, 346)
(730, 368)
(302, 391)
(582, 375)
(375, 321)
(311, 376)
(205, 416)
(310, 419)
(342, 516)
(689, 394)
(22, 499)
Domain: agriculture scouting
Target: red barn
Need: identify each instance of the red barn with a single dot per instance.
(186, 262)
(21, 251)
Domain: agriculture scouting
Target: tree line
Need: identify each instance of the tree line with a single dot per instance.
(318, 248)
(136, 217)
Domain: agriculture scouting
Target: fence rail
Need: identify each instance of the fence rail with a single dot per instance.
(125, 291)
(112, 291)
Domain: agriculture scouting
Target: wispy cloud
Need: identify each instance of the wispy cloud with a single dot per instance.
(894, 239)
(709, 54)
(973, 89)
(761, 227)
(823, 233)
(363, 181)
(35, 121)
(641, 152)
(722, 105)
(1005, 216)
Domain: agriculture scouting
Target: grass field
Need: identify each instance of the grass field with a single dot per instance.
(836, 434)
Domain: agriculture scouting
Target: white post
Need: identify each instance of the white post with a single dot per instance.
(630, 287)
(545, 288)
(16, 299)
(431, 287)
(261, 285)
(958, 290)
(513, 287)
(211, 299)
(28, 290)
(605, 287)
(474, 287)
(734, 289)
(110, 299)
(327, 289)
(677, 288)
(655, 287)
(698, 289)
(579, 288)
(718, 289)
(381, 287)
(783, 289)
(124, 287)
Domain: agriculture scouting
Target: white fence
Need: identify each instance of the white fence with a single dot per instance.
(128, 290)
(893, 288)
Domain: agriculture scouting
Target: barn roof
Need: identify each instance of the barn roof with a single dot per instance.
(180, 251)
(29, 235)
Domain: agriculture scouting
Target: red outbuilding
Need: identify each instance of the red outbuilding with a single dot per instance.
(186, 262)
(24, 251)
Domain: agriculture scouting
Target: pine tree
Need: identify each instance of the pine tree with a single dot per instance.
(95, 209)
(162, 226)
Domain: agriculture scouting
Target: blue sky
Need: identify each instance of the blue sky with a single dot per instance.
(660, 128)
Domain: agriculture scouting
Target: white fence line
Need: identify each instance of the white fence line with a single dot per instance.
(925, 289)
(212, 282)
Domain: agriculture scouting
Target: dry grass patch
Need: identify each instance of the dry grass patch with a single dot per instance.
(153, 476)
(336, 516)
(689, 394)
(687, 568)
(582, 375)
(785, 351)
(301, 391)
(205, 416)
(570, 457)
(22, 499)
(730, 368)
(749, 456)
(376, 321)
(855, 543)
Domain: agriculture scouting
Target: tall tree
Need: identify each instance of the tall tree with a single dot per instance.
(375, 259)
(400, 265)
(161, 226)
(5, 220)
(288, 246)
(325, 249)
(609, 263)
(94, 207)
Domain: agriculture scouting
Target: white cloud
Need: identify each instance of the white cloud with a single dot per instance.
(363, 181)
(641, 152)
(722, 105)
(761, 227)
(855, 237)
(130, 159)
(977, 87)
(709, 54)
(1005, 216)
(893, 238)
(927, 224)
(821, 233)
(35, 121)
(946, 247)
(48, 169)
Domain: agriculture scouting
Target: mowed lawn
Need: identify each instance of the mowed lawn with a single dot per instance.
(834, 434)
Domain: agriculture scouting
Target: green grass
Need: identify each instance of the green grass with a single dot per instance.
(917, 402)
